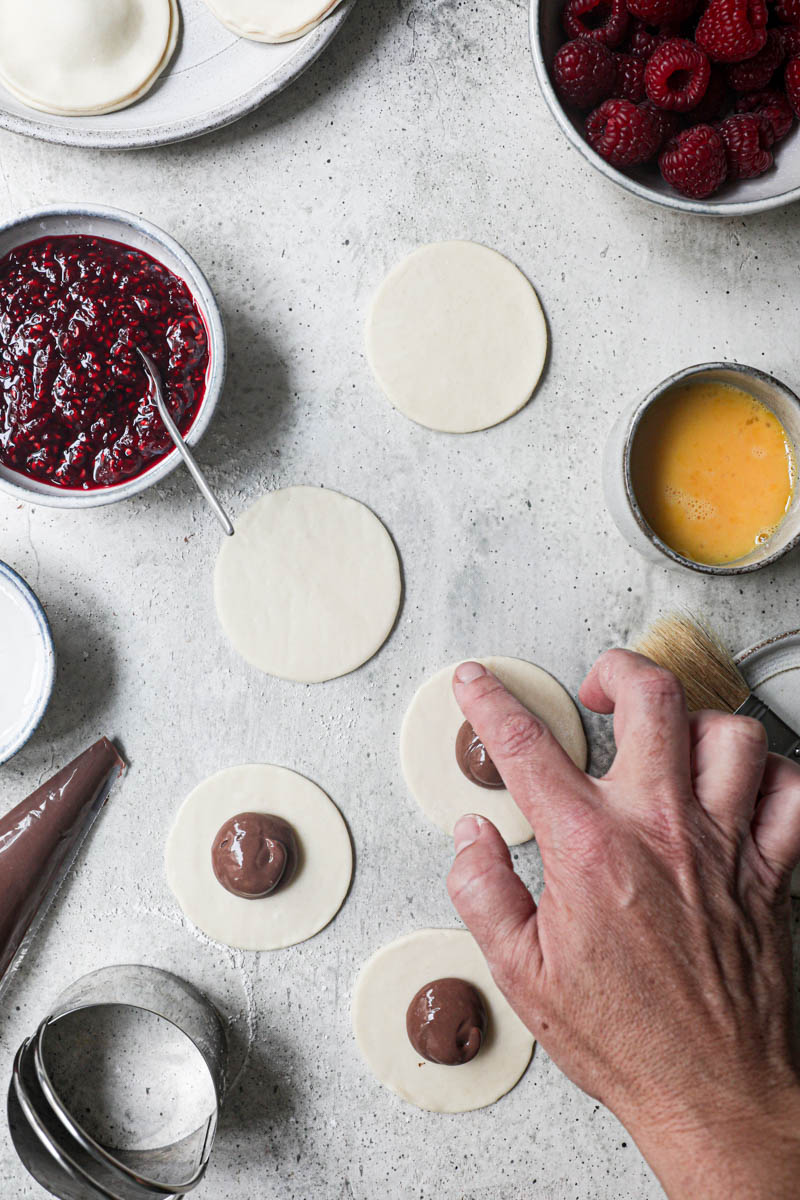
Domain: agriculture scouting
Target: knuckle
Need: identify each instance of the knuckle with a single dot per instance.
(485, 687)
(466, 881)
(518, 734)
(657, 685)
(749, 730)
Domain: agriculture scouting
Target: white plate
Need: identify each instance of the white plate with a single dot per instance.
(772, 669)
(213, 79)
(27, 662)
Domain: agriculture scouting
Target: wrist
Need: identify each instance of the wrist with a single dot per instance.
(722, 1148)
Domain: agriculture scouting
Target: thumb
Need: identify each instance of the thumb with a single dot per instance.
(494, 903)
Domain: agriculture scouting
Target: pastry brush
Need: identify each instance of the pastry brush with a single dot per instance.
(710, 677)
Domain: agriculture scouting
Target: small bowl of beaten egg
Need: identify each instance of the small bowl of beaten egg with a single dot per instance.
(702, 472)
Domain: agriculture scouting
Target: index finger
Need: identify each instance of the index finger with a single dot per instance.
(541, 777)
(651, 720)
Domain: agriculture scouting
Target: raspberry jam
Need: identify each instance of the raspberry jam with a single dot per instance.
(76, 409)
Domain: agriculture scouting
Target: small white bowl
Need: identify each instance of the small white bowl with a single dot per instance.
(120, 226)
(618, 483)
(778, 186)
(28, 660)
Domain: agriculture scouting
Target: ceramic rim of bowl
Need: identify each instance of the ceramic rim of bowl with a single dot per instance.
(47, 654)
(118, 220)
(630, 436)
(665, 199)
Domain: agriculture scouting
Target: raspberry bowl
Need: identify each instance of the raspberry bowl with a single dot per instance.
(81, 288)
(749, 140)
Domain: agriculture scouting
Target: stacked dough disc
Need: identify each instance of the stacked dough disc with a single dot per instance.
(83, 58)
(271, 20)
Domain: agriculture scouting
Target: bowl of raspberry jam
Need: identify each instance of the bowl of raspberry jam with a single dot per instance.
(81, 290)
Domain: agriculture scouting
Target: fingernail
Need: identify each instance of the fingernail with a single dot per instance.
(469, 671)
(467, 831)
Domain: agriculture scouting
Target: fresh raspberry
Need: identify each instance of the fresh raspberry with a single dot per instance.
(717, 101)
(622, 133)
(732, 30)
(694, 162)
(584, 72)
(772, 105)
(756, 72)
(668, 123)
(792, 82)
(629, 83)
(747, 139)
(790, 40)
(662, 12)
(787, 11)
(605, 20)
(677, 75)
(642, 38)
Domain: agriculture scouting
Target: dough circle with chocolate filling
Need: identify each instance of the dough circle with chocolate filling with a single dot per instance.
(81, 58)
(428, 745)
(271, 20)
(309, 587)
(384, 989)
(292, 913)
(456, 337)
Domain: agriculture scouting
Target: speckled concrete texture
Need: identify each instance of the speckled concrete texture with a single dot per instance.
(421, 122)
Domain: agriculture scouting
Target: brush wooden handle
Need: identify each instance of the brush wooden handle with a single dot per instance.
(781, 738)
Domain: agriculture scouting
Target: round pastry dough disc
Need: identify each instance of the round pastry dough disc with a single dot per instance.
(291, 915)
(428, 738)
(271, 20)
(456, 337)
(309, 586)
(84, 58)
(384, 989)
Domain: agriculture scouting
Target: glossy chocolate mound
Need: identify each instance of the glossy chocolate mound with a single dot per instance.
(473, 759)
(446, 1022)
(254, 855)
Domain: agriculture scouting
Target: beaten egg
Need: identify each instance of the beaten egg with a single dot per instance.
(713, 471)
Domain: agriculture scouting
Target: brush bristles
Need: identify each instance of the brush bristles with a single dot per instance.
(699, 659)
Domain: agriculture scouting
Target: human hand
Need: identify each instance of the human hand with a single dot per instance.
(656, 970)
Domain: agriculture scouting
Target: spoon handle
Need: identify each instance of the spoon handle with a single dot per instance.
(198, 476)
(183, 449)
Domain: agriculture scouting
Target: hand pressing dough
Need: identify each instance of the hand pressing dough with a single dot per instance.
(384, 989)
(271, 20)
(292, 914)
(428, 738)
(456, 337)
(80, 57)
(309, 586)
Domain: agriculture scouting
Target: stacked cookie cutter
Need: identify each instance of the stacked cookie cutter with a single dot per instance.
(50, 1139)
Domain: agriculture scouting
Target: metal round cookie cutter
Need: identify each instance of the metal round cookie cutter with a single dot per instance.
(51, 1135)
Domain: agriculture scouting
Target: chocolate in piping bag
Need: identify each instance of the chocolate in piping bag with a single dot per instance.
(40, 838)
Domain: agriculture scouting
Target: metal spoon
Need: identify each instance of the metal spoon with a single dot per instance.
(183, 449)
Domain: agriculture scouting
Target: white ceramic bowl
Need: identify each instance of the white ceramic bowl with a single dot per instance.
(618, 482)
(28, 660)
(778, 186)
(133, 231)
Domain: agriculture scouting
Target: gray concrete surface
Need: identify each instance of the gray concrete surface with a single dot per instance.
(422, 122)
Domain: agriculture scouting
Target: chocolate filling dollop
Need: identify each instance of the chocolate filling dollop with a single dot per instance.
(474, 761)
(254, 855)
(446, 1022)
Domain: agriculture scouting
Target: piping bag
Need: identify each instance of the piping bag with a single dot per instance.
(39, 840)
